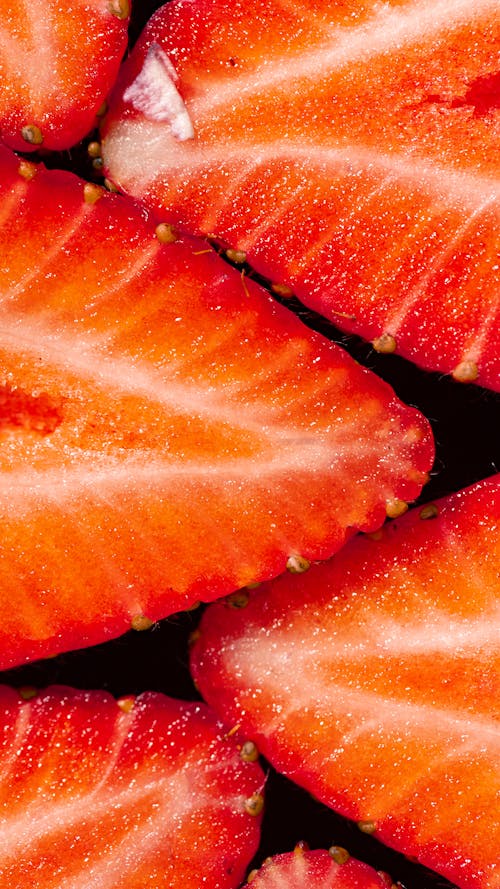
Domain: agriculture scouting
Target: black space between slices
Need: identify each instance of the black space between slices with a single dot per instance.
(466, 426)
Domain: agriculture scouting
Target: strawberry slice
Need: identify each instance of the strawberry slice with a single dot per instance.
(317, 869)
(167, 432)
(139, 792)
(58, 62)
(350, 149)
(374, 681)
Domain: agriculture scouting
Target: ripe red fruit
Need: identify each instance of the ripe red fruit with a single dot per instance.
(168, 433)
(373, 681)
(317, 869)
(128, 794)
(58, 62)
(350, 149)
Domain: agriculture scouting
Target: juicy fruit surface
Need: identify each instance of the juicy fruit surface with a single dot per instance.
(57, 65)
(373, 680)
(351, 149)
(316, 870)
(93, 794)
(167, 432)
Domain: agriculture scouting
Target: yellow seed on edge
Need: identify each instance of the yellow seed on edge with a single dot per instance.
(237, 256)
(94, 149)
(32, 134)
(140, 622)
(385, 344)
(126, 704)
(466, 372)
(254, 804)
(367, 826)
(238, 600)
(27, 169)
(339, 854)
(282, 290)
(193, 638)
(297, 564)
(430, 511)
(110, 186)
(27, 692)
(249, 752)
(166, 233)
(119, 8)
(395, 508)
(92, 193)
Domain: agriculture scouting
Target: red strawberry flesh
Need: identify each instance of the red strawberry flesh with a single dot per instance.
(373, 680)
(351, 149)
(167, 432)
(148, 793)
(58, 63)
(317, 869)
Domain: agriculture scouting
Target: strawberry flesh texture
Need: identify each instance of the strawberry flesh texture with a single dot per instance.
(96, 795)
(316, 869)
(373, 681)
(351, 150)
(167, 432)
(58, 63)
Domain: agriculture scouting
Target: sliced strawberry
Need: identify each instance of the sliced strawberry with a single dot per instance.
(58, 62)
(317, 869)
(351, 149)
(144, 792)
(166, 431)
(374, 681)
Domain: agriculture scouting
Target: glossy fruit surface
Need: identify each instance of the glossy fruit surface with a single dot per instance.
(350, 149)
(317, 869)
(168, 432)
(57, 65)
(373, 681)
(131, 794)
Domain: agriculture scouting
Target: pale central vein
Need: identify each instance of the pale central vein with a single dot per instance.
(388, 31)
(89, 358)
